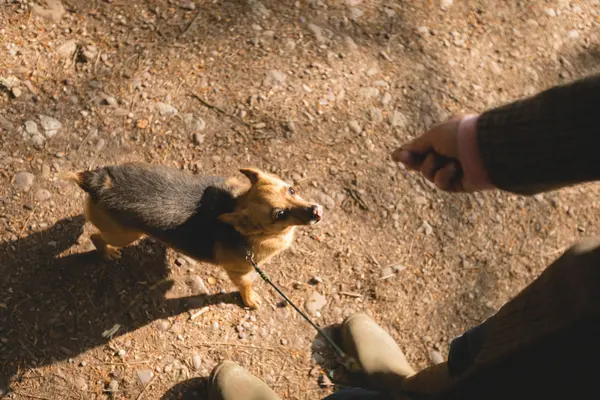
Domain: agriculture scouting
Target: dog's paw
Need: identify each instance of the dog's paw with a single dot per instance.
(112, 253)
(252, 301)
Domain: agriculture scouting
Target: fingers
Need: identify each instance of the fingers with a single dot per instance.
(448, 178)
(410, 160)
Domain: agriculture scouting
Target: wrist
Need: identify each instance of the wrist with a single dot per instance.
(469, 157)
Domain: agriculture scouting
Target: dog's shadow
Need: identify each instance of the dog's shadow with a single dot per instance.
(54, 307)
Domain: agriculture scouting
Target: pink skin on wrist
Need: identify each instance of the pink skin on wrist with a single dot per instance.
(468, 154)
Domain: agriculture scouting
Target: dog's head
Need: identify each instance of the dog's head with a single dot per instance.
(270, 206)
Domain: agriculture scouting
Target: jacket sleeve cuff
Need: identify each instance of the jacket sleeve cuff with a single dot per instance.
(468, 154)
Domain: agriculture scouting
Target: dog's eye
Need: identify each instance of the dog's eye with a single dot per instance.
(292, 191)
(279, 215)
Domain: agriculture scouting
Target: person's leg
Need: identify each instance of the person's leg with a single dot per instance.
(356, 394)
(541, 344)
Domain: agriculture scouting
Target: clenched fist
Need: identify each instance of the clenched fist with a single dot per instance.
(447, 155)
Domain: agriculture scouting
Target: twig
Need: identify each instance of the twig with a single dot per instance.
(199, 313)
(249, 346)
(220, 111)
(190, 24)
(356, 196)
(30, 395)
(123, 363)
(25, 226)
(146, 388)
(351, 294)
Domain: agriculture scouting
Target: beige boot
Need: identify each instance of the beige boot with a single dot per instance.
(379, 355)
(229, 381)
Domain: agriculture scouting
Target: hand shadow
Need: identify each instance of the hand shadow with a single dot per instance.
(54, 307)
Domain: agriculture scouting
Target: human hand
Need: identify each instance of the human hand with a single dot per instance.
(447, 155)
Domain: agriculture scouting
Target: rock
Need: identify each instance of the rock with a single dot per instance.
(372, 71)
(426, 228)
(315, 302)
(165, 109)
(573, 34)
(188, 5)
(194, 124)
(50, 125)
(321, 198)
(215, 325)
(436, 357)
(163, 325)
(550, 12)
(420, 200)
(113, 386)
(446, 4)
(375, 115)
(80, 384)
(6, 124)
(355, 127)
(16, 92)
(43, 195)
(398, 120)
(52, 10)
(386, 99)
(109, 100)
(315, 280)
(355, 13)
(197, 285)
(196, 362)
(369, 92)
(274, 78)
(24, 180)
(386, 272)
(350, 43)
(496, 69)
(67, 49)
(198, 138)
(144, 376)
(317, 31)
(31, 127)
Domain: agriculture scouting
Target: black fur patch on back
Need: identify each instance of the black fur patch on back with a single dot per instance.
(178, 208)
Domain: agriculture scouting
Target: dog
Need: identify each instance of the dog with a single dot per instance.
(208, 218)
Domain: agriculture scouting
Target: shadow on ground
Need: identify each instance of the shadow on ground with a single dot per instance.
(55, 307)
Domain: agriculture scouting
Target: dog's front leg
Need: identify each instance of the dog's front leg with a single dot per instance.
(243, 281)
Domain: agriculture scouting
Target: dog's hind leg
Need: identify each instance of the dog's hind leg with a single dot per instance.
(112, 235)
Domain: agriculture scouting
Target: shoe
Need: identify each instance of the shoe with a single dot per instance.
(380, 357)
(229, 381)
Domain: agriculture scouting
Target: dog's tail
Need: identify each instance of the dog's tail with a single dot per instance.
(88, 181)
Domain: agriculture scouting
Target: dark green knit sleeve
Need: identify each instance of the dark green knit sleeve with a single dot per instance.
(544, 142)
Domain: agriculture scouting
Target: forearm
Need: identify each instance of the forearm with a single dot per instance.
(543, 142)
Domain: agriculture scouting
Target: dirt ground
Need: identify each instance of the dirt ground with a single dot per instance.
(317, 91)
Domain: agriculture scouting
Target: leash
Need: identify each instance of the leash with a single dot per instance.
(348, 362)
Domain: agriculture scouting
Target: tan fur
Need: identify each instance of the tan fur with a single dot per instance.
(252, 217)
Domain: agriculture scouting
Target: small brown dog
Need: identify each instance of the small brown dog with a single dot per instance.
(208, 218)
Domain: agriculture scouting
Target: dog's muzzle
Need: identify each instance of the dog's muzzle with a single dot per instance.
(316, 214)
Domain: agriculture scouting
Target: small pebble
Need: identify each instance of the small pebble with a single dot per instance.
(315, 280)
(113, 386)
(163, 325)
(144, 376)
(42, 195)
(355, 127)
(24, 180)
(196, 362)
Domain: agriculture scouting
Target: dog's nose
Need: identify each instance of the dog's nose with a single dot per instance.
(316, 212)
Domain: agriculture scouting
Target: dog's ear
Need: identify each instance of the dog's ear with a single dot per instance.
(252, 174)
(239, 221)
